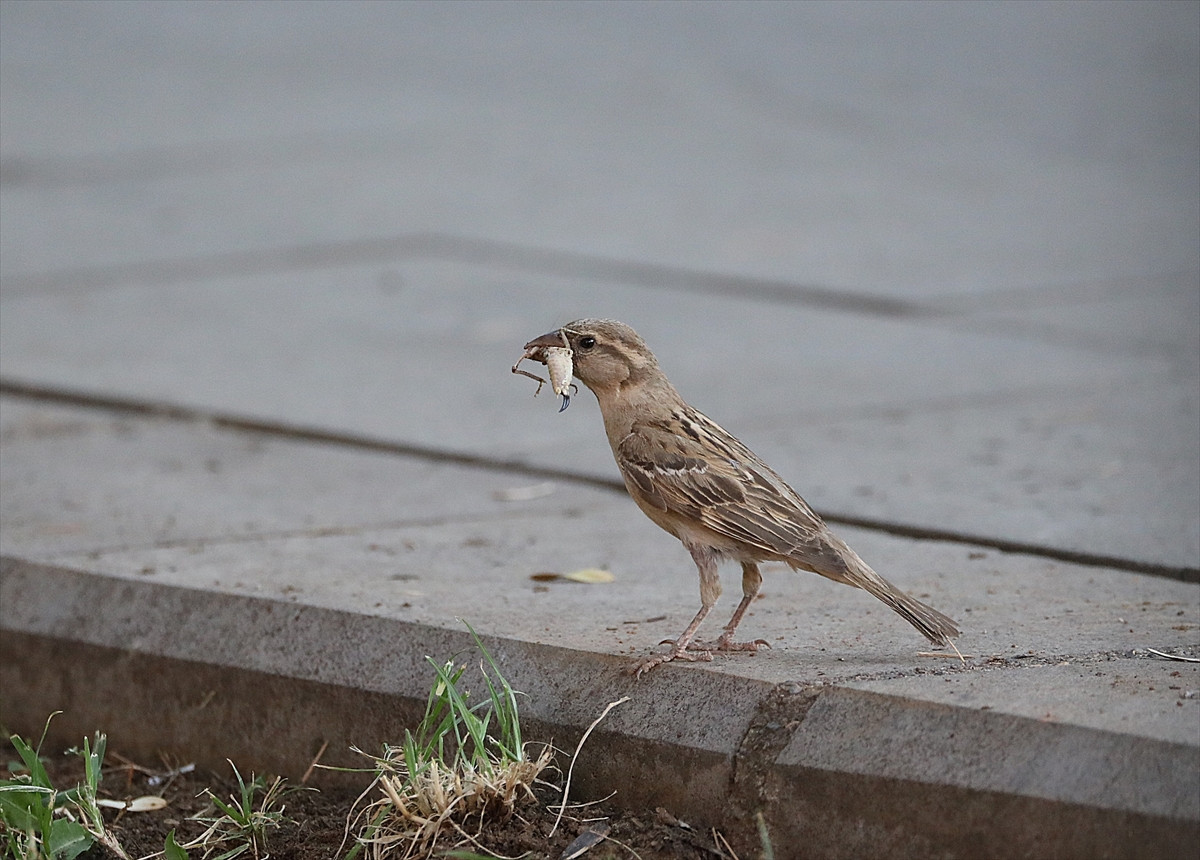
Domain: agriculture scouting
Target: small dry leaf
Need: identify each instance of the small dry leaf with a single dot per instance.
(590, 576)
(586, 840)
(146, 803)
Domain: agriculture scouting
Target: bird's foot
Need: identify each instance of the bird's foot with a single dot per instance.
(677, 652)
(726, 643)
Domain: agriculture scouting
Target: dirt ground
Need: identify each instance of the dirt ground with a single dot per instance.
(315, 828)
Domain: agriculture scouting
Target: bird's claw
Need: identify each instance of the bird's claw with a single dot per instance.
(694, 652)
(641, 667)
(724, 644)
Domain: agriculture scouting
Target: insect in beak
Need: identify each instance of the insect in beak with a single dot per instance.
(553, 351)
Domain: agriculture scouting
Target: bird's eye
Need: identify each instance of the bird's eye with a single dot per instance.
(587, 342)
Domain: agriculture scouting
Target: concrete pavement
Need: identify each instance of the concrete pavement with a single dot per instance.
(264, 274)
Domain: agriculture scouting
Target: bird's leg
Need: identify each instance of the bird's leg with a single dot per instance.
(751, 580)
(710, 591)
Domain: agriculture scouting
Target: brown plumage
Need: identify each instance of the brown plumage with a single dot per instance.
(698, 482)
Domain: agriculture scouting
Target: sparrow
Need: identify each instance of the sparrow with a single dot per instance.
(698, 482)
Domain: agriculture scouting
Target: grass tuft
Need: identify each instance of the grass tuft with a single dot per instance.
(464, 766)
(243, 823)
(37, 820)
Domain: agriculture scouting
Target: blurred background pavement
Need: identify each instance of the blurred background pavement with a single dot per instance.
(937, 263)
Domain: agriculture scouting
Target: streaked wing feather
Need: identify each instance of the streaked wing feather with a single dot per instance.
(689, 465)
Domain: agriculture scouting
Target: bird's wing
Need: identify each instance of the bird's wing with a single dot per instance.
(688, 465)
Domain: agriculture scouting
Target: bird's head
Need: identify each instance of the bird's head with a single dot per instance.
(607, 354)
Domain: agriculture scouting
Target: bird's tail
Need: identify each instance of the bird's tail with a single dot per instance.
(934, 626)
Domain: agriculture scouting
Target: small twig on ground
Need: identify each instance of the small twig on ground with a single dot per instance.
(723, 845)
(942, 656)
(1174, 656)
(562, 807)
(313, 765)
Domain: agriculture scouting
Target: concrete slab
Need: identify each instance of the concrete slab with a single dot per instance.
(1125, 695)
(346, 593)
(711, 746)
(928, 421)
(286, 641)
(355, 555)
(1087, 470)
(986, 147)
(170, 483)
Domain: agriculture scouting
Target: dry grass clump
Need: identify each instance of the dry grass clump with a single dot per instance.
(463, 767)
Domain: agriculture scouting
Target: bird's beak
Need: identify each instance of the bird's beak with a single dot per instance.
(549, 339)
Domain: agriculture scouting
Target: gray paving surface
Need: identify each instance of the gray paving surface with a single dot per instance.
(936, 263)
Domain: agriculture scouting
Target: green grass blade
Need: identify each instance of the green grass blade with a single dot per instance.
(25, 808)
(229, 809)
(93, 758)
(504, 703)
(475, 728)
(33, 764)
(172, 850)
